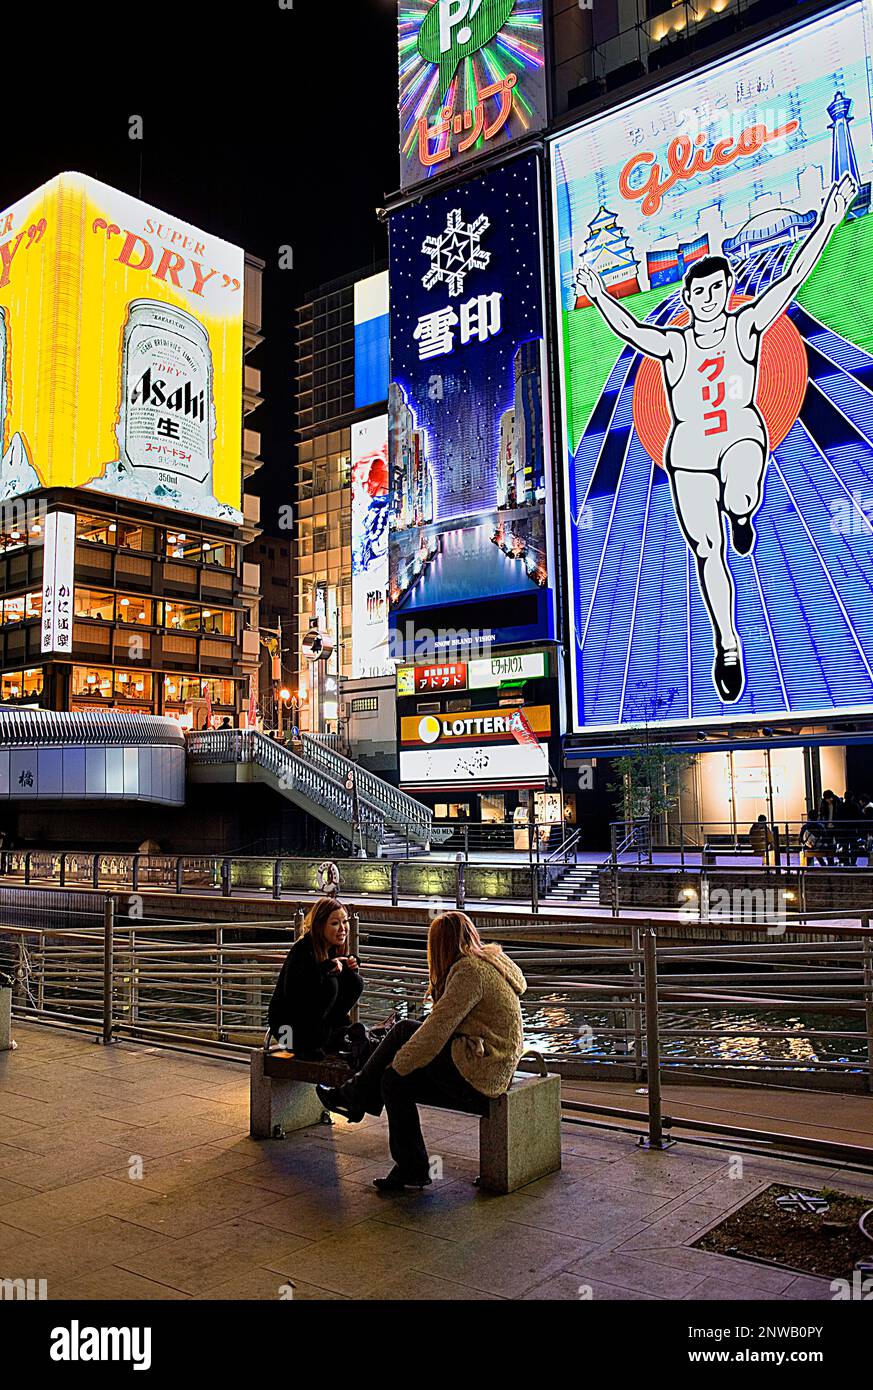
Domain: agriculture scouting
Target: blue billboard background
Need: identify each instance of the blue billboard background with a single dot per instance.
(643, 639)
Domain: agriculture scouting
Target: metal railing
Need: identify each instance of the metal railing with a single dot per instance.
(398, 809)
(790, 1012)
(324, 776)
(302, 775)
(40, 728)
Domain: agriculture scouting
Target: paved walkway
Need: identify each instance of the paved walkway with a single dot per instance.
(128, 1173)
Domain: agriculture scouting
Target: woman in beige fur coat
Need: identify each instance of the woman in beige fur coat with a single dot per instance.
(464, 1053)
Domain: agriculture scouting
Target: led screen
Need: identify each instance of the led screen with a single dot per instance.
(713, 258)
(468, 434)
(370, 548)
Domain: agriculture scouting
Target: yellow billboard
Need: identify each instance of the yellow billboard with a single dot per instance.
(121, 346)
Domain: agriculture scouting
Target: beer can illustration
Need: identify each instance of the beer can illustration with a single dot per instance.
(166, 424)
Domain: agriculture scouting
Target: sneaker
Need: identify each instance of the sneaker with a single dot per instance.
(743, 536)
(727, 674)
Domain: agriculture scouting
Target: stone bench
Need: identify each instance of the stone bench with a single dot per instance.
(519, 1132)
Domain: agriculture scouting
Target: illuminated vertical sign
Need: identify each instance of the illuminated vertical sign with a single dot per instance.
(370, 548)
(472, 80)
(59, 549)
(714, 253)
(468, 426)
(371, 340)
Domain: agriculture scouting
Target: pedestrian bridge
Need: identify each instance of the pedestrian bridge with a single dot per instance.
(105, 755)
(99, 755)
(368, 811)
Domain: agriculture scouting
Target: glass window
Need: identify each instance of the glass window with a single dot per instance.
(11, 685)
(13, 610)
(219, 620)
(133, 609)
(182, 617)
(133, 685)
(221, 693)
(93, 681)
(181, 545)
(33, 682)
(132, 536)
(16, 610)
(220, 553)
(179, 689)
(96, 530)
(93, 603)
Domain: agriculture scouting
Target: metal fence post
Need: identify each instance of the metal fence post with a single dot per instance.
(534, 888)
(460, 883)
(637, 973)
(614, 886)
(868, 999)
(354, 950)
(395, 882)
(134, 875)
(225, 878)
(108, 966)
(62, 870)
(27, 867)
(95, 871)
(277, 879)
(219, 988)
(655, 1139)
(180, 869)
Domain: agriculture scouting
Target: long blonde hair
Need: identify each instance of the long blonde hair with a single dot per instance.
(316, 920)
(451, 936)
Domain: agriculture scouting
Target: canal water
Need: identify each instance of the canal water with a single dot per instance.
(468, 566)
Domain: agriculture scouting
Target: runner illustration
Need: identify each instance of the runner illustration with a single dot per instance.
(717, 449)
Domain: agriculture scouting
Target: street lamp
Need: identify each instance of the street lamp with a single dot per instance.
(284, 697)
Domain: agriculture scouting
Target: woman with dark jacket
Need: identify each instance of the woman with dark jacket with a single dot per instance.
(318, 986)
(463, 1054)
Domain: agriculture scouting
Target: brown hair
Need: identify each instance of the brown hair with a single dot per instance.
(451, 936)
(317, 919)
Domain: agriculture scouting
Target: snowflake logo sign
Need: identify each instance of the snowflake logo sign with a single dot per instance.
(455, 252)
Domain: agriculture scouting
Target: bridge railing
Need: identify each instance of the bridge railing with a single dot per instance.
(37, 728)
(800, 1014)
(400, 810)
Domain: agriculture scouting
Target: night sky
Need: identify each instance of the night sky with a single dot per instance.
(267, 127)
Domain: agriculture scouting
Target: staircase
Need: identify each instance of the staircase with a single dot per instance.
(320, 781)
(579, 884)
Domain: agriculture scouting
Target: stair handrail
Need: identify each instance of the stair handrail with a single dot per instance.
(565, 848)
(396, 805)
(249, 745)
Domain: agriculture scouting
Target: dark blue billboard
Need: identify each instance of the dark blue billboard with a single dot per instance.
(468, 455)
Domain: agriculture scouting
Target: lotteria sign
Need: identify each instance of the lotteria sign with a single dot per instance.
(477, 726)
(714, 264)
(471, 80)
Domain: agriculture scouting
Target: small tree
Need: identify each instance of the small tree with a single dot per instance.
(650, 773)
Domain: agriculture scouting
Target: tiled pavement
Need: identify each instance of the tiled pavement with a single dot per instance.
(128, 1173)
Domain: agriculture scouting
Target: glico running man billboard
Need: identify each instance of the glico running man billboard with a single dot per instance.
(120, 351)
(467, 430)
(472, 79)
(714, 249)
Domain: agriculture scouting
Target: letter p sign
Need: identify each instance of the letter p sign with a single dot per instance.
(454, 14)
(455, 29)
